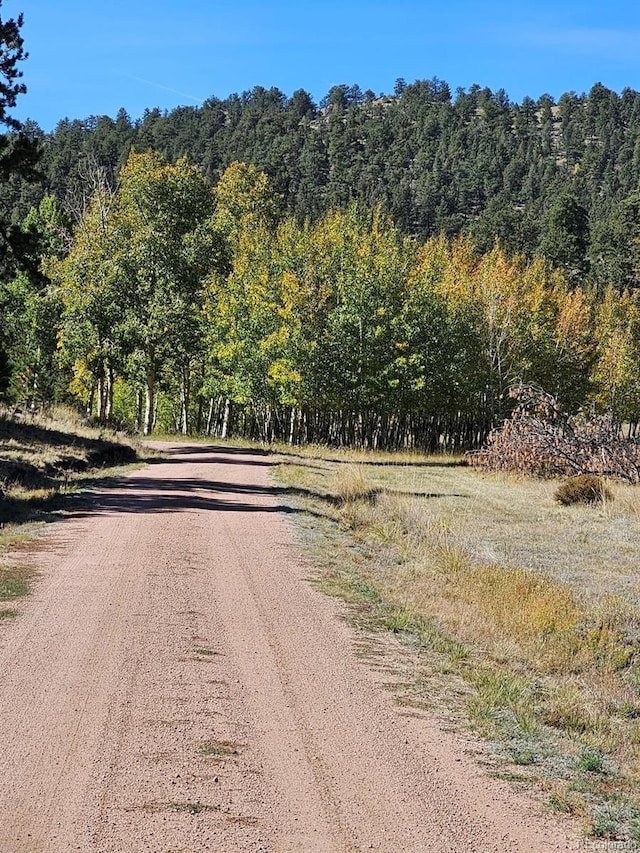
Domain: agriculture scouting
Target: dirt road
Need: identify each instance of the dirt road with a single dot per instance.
(176, 684)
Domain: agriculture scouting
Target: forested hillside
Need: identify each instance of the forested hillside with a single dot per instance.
(372, 269)
(541, 176)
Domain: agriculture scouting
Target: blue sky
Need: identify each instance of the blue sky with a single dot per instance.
(91, 58)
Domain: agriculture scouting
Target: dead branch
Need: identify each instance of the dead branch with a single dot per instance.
(542, 440)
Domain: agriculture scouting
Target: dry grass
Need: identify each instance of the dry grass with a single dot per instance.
(44, 458)
(351, 484)
(529, 605)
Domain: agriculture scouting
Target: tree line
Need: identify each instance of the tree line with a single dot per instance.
(559, 178)
(172, 304)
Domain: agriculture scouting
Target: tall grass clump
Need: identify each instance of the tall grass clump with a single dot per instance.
(583, 489)
(351, 484)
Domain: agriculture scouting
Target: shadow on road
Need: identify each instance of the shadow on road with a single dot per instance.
(151, 494)
(147, 494)
(157, 494)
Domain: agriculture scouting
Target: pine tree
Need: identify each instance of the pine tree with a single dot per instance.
(18, 156)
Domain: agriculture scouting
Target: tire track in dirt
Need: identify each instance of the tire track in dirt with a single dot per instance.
(175, 683)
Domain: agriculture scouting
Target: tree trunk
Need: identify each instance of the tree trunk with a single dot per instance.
(199, 414)
(184, 399)
(138, 423)
(108, 411)
(149, 402)
(292, 424)
(101, 398)
(89, 409)
(209, 417)
(225, 420)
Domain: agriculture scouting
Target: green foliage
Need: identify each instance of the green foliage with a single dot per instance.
(540, 177)
(343, 330)
(591, 761)
(32, 310)
(565, 236)
(132, 283)
(605, 824)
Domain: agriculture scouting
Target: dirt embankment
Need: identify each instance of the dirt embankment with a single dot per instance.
(37, 455)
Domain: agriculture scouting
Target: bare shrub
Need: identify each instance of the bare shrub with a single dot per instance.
(542, 440)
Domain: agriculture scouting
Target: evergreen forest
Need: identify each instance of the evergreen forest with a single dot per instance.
(372, 270)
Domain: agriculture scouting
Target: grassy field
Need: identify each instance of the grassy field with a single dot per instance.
(524, 612)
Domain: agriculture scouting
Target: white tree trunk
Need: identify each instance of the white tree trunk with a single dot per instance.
(184, 400)
(148, 402)
(225, 419)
